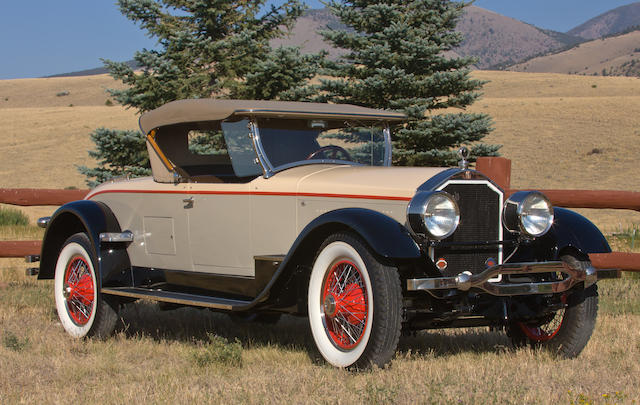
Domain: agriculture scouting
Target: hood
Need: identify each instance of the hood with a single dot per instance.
(398, 183)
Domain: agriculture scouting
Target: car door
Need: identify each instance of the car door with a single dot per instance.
(220, 229)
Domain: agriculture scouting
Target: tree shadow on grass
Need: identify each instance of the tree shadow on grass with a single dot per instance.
(447, 342)
(145, 318)
(186, 324)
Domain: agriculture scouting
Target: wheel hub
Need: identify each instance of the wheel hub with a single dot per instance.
(330, 306)
(66, 292)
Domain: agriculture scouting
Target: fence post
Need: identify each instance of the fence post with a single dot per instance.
(497, 169)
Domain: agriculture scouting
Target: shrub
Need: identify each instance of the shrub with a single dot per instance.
(108, 103)
(12, 342)
(218, 350)
(63, 93)
(12, 216)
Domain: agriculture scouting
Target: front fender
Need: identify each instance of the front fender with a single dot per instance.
(386, 236)
(86, 216)
(572, 231)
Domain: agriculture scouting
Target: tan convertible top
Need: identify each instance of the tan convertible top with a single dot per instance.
(182, 111)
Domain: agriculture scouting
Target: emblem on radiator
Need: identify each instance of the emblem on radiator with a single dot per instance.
(441, 264)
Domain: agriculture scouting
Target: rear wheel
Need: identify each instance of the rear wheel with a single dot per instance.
(568, 331)
(354, 304)
(81, 307)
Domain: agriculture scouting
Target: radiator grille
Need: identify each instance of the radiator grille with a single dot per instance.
(479, 222)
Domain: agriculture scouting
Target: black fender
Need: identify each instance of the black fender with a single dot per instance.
(571, 232)
(388, 239)
(386, 236)
(92, 218)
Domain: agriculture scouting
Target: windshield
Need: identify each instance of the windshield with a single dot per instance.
(303, 141)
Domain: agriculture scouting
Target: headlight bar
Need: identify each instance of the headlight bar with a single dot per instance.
(433, 214)
(529, 213)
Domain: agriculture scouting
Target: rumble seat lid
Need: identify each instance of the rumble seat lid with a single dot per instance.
(195, 110)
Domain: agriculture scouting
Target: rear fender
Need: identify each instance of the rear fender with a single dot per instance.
(92, 218)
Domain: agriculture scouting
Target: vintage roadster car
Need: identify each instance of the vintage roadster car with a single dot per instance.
(262, 208)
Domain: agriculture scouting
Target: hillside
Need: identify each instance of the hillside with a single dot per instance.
(497, 40)
(494, 39)
(561, 131)
(305, 33)
(612, 22)
(614, 56)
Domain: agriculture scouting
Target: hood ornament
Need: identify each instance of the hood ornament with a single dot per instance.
(463, 154)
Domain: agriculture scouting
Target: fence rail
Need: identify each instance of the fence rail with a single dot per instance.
(496, 168)
(26, 197)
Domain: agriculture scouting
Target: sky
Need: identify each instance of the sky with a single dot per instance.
(45, 37)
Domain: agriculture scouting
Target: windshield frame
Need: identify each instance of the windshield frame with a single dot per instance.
(269, 170)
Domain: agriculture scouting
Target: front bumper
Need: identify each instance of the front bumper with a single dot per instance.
(465, 281)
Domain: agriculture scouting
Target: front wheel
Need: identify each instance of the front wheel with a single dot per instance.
(81, 307)
(354, 303)
(568, 331)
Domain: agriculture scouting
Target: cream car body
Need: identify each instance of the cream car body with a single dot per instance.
(261, 208)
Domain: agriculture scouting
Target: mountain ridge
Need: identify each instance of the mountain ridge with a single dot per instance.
(611, 22)
(497, 41)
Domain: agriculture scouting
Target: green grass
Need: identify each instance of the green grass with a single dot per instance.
(218, 350)
(627, 239)
(12, 216)
(21, 232)
(13, 342)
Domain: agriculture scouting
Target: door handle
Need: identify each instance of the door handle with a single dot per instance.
(188, 202)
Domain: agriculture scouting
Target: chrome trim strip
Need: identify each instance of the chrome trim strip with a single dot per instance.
(44, 222)
(388, 147)
(393, 116)
(126, 236)
(465, 281)
(32, 271)
(267, 167)
(32, 258)
(175, 297)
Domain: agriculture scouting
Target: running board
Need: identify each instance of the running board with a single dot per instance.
(177, 298)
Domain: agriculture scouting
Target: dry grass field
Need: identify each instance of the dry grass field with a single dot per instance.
(560, 131)
(163, 357)
(567, 132)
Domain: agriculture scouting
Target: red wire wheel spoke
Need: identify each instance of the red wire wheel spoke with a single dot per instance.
(344, 303)
(79, 290)
(546, 331)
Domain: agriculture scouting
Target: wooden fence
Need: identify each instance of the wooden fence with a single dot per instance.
(496, 168)
(499, 170)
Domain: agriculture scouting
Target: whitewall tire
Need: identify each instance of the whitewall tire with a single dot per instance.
(81, 308)
(354, 304)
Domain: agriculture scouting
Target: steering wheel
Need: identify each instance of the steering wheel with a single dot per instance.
(330, 152)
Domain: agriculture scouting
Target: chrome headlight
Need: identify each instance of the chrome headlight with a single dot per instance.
(433, 214)
(528, 212)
